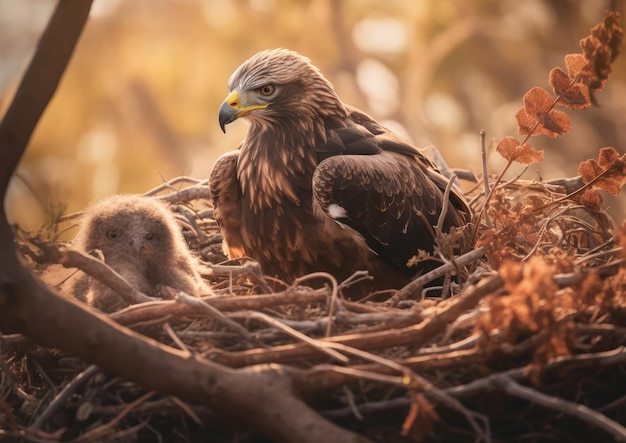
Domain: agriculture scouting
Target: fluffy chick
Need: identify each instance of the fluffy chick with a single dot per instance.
(139, 238)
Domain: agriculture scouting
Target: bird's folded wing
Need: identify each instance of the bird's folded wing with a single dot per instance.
(226, 196)
(387, 197)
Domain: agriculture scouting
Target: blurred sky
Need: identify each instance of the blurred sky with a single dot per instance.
(138, 103)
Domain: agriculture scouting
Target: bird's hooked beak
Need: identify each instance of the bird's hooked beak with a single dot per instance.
(234, 107)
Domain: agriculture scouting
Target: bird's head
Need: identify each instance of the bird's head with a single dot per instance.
(278, 84)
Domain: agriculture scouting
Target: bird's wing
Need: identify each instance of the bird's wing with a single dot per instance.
(393, 197)
(226, 195)
(361, 134)
(385, 197)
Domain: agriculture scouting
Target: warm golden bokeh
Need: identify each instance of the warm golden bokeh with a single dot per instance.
(139, 101)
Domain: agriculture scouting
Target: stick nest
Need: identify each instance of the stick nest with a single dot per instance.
(526, 345)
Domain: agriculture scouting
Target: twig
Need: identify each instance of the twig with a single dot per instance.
(322, 347)
(191, 222)
(613, 405)
(203, 307)
(197, 192)
(355, 278)
(147, 311)
(72, 258)
(542, 230)
(12, 340)
(573, 194)
(175, 338)
(412, 380)
(347, 374)
(185, 407)
(61, 398)
(419, 282)
(444, 207)
(483, 156)
(352, 403)
(412, 335)
(569, 184)
(250, 269)
(379, 320)
(169, 185)
(600, 254)
(367, 408)
(333, 294)
(581, 412)
(7, 413)
(102, 430)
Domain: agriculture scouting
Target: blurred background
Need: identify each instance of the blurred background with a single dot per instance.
(138, 103)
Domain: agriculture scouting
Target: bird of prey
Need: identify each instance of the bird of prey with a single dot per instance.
(318, 185)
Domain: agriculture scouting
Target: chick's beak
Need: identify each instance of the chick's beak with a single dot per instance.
(232, 109)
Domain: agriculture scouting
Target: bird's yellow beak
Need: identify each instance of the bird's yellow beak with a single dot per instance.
(232, 108)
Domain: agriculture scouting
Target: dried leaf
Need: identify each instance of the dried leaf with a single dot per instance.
(421, 419)
(537, 101)
(600, 49)
(554, 124)
(576, 64)
(538, 117)
(420, 257)
(608, 173)
(571, 95)
(525, 123)
(591, 199)
(510, 149)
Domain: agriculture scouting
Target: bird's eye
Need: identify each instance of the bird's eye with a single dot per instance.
(112, 234)
(267, 90)
(149, 236)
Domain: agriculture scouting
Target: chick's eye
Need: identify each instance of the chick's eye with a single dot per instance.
(267, 90)
(149, 236)
(113, 234)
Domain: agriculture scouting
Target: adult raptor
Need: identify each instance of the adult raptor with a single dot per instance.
(318, 185)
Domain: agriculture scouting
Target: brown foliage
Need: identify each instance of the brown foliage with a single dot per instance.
(586, 72)
(533, 305)
(599, 50)
(538, 116)
(608, 173)
(420, 420)
(510, 149)
(571, 95)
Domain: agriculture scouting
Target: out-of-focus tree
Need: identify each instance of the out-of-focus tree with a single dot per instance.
(139, 101)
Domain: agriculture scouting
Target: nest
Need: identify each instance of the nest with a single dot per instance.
(526, 345)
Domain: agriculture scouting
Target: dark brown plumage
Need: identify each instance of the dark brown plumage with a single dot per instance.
(139, 238)
(317, 185)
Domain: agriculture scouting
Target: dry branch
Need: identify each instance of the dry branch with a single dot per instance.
(411, 335)
(149, 311)
(72, 258)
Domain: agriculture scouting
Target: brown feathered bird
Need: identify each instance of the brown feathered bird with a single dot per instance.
(317, 185)
(139, 238)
